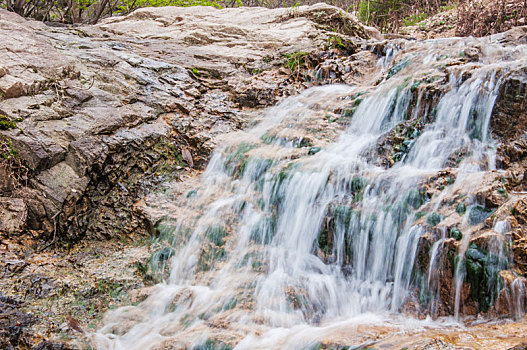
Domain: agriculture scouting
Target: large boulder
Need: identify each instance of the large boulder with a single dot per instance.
(100, 115)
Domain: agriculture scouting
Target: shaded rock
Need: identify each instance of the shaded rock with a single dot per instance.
(59, 183)
(13, 214)
(86, 154)
(512, 298)
(258, 91)
(512, 155)
(49, 345)
(38, 150)
(14, 324)
(37, 216)
(7, 183)
(509, 116)
(519, 210)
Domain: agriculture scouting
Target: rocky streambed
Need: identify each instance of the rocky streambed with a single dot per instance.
(106, 130)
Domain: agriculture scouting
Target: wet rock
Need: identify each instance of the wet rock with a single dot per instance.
(423, 252)
(433, 219)
(335, 223)
(398, 142)
(314, 150)
(509, 116)
(265, 230)
(456, 234)
(478, 214)
(484, 259)
(213, 344)
(446, 266)
(512, 297)
(472, 53)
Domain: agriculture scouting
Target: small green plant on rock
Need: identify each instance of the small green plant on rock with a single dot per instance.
(6, 123)
(293, 10)
(502, 192)
(415, 19)
(335, 41)
(296, 61)
(420, 214)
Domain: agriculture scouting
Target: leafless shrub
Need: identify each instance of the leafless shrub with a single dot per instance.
(485, 17)
(14, 173)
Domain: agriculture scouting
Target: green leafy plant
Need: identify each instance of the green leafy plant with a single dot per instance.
(296, 60)
(415, 18)
(293, 10)
(6, 123)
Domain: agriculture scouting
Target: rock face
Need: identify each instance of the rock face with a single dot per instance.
(510, 114)
(13, 214)
(509, 121)
(101, 114)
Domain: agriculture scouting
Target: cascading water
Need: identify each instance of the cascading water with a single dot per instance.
(295, 233)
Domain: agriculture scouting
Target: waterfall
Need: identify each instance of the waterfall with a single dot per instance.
(296, 229)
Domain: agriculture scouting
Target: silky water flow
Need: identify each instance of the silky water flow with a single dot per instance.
(286, 241)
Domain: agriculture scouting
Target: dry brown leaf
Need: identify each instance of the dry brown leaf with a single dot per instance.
(74, 324)
(187, 157)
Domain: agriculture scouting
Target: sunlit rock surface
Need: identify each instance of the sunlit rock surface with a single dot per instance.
(100, 110)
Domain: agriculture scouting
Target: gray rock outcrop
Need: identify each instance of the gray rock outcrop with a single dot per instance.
(101, 114)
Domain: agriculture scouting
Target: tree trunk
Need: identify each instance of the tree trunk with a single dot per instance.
(18, 7)
(100, 11)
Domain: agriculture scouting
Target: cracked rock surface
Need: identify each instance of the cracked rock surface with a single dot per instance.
(104, 113)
